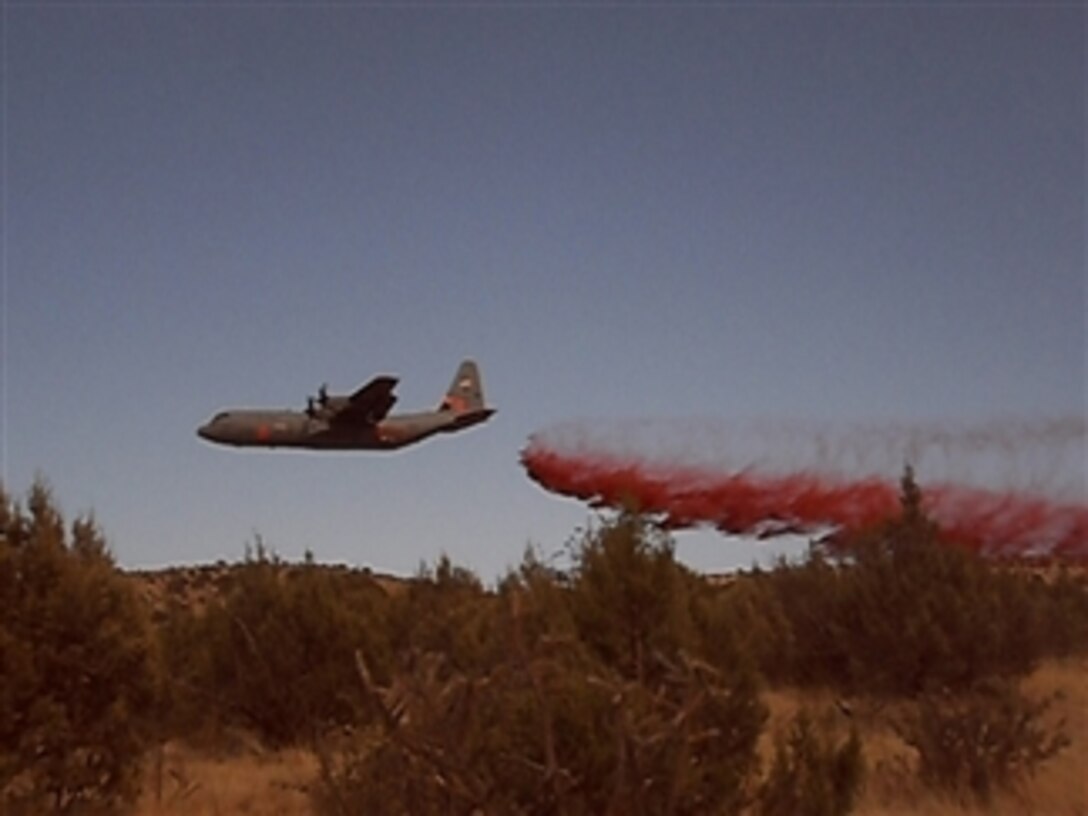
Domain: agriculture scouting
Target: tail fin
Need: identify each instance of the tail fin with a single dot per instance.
(466, 392)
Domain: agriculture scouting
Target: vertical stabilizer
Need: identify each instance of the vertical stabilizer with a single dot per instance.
(466, 392)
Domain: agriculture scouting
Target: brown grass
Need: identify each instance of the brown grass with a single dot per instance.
(248, 780)
(1058, 789)
(183, 781)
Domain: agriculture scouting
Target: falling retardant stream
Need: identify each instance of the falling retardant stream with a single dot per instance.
(1008, 489)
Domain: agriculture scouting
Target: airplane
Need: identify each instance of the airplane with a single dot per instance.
(360, 421)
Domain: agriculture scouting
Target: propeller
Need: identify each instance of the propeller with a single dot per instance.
(323, 394)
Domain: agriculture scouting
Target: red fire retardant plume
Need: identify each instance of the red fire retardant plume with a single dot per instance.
(996, 522)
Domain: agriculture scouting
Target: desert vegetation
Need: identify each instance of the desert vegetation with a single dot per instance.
(895, 673)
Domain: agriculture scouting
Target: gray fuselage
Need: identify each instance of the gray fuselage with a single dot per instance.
(298, 429)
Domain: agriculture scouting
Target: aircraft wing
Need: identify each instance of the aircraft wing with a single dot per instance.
(369, 404)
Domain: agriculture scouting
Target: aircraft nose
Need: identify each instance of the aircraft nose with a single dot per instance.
(216, 429)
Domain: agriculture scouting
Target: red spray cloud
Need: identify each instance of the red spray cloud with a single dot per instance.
(838, 480)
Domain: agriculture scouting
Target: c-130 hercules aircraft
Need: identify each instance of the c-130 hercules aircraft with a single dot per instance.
(357, 422)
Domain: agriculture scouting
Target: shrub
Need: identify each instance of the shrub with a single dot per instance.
(630, 598)
(900, 611)
(556, 733)
(445, 610)
(274, 655)
(975, 743)
(75, 662)
(744, 623)
(587, 702)
(813, 774)
(1062, 603)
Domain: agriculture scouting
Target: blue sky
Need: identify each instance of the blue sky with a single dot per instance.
(823, 212)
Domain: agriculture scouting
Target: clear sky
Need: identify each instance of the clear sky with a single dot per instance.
(831, 212)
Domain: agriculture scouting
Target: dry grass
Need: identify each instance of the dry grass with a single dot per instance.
(1060, 788)
(252, 781)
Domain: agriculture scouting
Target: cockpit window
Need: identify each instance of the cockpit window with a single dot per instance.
(221, 415)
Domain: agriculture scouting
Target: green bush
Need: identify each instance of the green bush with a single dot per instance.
(744, 623)
(275, 654)
(445, 610)
(76, 669)
(588, 701)
(1062, 605)
(899, 611)
(629, 598)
